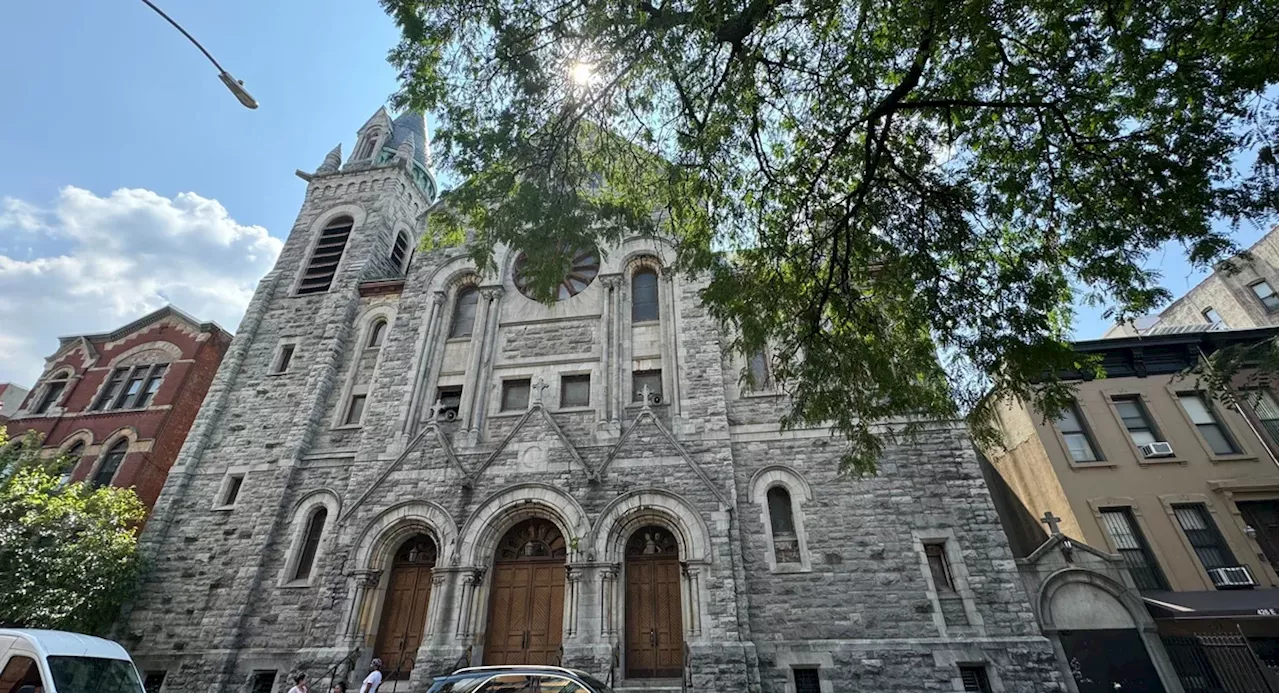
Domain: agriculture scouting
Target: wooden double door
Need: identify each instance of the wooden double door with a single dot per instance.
(526, 607)
(654, 627)
(404, 613)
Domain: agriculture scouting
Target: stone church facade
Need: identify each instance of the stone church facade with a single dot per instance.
(401, 457)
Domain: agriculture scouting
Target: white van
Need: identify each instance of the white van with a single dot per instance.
(53, 661)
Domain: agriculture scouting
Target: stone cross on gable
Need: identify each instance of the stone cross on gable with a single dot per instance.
(538, 386)
(644, 395)
(433, 413)
(1051, 522)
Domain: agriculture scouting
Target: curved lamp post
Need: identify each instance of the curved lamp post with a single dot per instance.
(235, 85)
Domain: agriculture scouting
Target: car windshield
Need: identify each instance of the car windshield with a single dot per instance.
(94, 675)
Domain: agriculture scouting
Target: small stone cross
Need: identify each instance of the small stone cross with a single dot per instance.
(644, 395)
(539, 385)
(433, 413)
(1052, 522)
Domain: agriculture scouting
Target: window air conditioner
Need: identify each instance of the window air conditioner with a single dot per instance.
(1238, 576)
(1157, 449)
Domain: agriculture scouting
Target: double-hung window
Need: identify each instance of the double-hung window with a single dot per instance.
(1079, 442)
(1134, 416)
(1266, 294)
(1206, 422)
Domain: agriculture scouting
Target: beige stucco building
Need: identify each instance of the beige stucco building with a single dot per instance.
(1181, 486)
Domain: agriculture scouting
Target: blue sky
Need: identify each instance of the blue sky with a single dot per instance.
(132, 177)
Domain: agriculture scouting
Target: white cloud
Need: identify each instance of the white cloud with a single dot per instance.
(100, 262)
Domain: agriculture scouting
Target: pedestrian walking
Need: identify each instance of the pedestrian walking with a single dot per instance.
(299, 684)
(374, 679)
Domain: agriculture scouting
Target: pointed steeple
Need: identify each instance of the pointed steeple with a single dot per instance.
(332, 160)
(411, 124)
(404, 153)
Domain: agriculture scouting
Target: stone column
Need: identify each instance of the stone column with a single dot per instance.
(608, 598)
(670, 344)
(472, 380)
(366, 581)
(692, 599)
(471, 581)
(607, 353)
(424, 386)
(493, 297)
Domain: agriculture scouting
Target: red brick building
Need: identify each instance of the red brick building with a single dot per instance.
(122, 401)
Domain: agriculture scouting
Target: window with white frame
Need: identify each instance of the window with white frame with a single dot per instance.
(1266, 294)
(1201, 413)
(1076, 434)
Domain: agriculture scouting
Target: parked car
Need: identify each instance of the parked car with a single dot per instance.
(518, 679)
(54, 661)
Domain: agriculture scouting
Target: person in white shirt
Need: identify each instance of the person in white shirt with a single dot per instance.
(374, 679)
(299, 684)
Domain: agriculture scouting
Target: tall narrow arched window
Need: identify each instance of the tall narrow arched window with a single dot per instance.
(326, 256)
(399, 251)
(759, 369)
(378, 333)
(72, 455)
(53, 390)
(464, 312)
(644, 295)
(110, 463)
(310, 544)
(782, 524)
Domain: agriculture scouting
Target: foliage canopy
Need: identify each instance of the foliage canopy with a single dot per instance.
(68, 552)
(867, 183)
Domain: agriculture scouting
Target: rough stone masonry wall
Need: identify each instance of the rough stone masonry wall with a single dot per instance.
(214, 608)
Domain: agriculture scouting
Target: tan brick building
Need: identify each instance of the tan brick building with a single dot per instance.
(1181, 486)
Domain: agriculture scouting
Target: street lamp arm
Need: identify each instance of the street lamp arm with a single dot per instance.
(190, 38)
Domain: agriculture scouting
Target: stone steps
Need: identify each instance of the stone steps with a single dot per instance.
(648, 686)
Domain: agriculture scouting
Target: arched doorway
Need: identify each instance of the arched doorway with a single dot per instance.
(404, 613)
(655, 632)
(526, 609)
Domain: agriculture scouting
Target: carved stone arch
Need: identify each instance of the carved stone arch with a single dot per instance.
(59, 372)
(502, 510)
(148, 352)
(635, 509)
(124, 432)
(1066, 577)
(376, 543)
(790, 553)
(303, 510)
(82, 435)
(384, 312)
(775, 474)
(358, 216)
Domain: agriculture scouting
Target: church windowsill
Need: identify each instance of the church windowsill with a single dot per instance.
(347, 427)
(790, 568)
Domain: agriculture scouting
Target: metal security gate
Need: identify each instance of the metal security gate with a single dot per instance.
(1218, 664)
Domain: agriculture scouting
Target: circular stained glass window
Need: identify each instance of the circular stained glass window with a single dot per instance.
(582, 271)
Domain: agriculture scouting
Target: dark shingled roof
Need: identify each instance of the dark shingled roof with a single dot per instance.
(410, 123)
